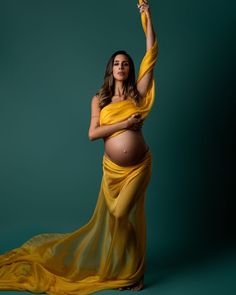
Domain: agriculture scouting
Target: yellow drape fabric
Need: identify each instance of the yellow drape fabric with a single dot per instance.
(107, 252)
(122, 110)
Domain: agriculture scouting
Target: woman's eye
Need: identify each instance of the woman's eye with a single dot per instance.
(124, 64)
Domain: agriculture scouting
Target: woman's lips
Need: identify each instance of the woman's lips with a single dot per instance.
(121, 73)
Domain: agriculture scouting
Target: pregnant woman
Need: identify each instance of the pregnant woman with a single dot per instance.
(109, 251)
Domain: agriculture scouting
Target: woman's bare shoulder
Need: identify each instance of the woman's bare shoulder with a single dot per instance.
(95, 98)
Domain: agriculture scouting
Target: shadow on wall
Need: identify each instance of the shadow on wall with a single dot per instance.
(205, 201)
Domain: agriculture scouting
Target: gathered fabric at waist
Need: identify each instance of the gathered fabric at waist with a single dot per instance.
(113, 169)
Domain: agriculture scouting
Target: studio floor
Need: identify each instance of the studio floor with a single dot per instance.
(210, 273)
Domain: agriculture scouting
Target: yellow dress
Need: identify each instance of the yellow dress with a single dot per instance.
(109, 251)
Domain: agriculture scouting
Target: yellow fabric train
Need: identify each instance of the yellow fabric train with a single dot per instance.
(109, 251)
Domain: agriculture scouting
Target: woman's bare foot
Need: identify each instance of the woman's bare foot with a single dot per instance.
(135, 287)
(122, 288)
(138, 286)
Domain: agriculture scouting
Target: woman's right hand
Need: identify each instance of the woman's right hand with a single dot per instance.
(135, 122)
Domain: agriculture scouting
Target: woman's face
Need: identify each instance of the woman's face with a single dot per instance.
(121, 67)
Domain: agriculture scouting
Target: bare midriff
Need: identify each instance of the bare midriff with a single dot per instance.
(126, 148)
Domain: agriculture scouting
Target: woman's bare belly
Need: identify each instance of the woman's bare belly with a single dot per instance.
(126, 148)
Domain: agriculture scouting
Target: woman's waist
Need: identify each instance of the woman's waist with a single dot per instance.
(125, 136)
(141, 163)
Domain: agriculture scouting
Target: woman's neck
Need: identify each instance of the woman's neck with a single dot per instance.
(119, 89)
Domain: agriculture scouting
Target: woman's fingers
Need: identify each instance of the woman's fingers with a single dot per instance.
(135, 121)
(137, 125)
(136, 115)
(143, 2)
(144, 6)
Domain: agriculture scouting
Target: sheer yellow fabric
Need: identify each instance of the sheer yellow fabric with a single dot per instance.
(106, 253)
(122, 110)
(109, 251)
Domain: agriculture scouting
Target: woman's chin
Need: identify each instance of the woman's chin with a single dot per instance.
(120, 79)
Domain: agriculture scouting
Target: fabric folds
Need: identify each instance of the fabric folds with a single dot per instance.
(122, 110)
(108, 252)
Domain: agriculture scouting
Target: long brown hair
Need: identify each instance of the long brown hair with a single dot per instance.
(107, 90)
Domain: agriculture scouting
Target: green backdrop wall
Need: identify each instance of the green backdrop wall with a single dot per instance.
(52, 61)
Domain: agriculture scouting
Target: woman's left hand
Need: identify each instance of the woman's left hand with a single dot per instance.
(144, 7)
(136, 122)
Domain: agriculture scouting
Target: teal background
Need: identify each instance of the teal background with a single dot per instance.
(52, 61)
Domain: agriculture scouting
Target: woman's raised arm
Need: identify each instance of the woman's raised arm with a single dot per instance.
(150, 34)
(144, 83)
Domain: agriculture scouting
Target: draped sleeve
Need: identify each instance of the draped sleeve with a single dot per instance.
(122, 110)
(147, 64)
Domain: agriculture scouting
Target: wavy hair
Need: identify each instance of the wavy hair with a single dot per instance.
(107, 90)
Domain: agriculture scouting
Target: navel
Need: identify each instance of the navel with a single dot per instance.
(125, 150)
